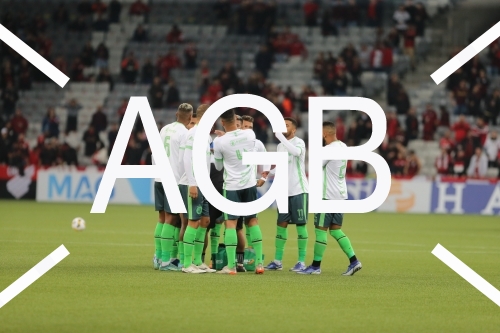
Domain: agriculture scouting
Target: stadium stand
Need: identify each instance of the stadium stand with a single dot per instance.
(203, 50)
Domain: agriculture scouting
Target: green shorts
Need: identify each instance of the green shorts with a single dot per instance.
(196, 208)
(245, 195)
(161, 201)
(325, 220)
(297, 210)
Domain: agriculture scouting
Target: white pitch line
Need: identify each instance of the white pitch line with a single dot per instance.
(33, 57)
(466, 54)
(33, 274)
(467, 273)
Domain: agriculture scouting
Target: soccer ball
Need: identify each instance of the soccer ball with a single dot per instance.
(78, 224)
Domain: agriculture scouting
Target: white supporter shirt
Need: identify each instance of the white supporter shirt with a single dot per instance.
(334, 183)
(188, 157)
(228, 153)
(297, 180)
(172, 136)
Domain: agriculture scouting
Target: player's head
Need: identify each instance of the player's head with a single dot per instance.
(239, 121)
(184, 113)
(228, 120)
(329, 132)
(200, 111)
(193, 121)
(291, 127)
(247, 122)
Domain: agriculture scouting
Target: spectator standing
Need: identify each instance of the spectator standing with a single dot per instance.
(147, 72)
(98, 7)
(130, 68)
(430, 121)
(173, 95)
(412, 125)
(112, 134)
(9, 97)
(478, 165)
(72, 109)
(413, 165)
(99, 120)
(102, 56)
(140, 34)
(115, 8)
(446, 142)
(101, 23)
(174, 36)
(263, 60)
(25, 76)
(444, 121)
(310, 9)
(420, 19)
(19, 123)
(443, 163)
(105, 76)
(122, 109)
(88, 55)
(460, 97)
(77, 70)
(156, 93)
(375, 13)
(401, 19)
(402, 101)
(139, 8)
(92, 141)
(190, 56)
(492, 149)
(493, 107)
(50, 124)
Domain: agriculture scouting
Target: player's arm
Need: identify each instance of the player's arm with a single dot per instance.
(218, 158)
(188, 167)
(293, 150)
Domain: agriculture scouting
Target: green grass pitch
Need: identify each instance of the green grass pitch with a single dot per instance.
(107, 283)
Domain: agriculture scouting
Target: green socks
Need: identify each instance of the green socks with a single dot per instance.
(199, 243)
(247, 234)
(175, 247)
(189, 237)
(281, 237)
(256, 237)
(167, 242)
(302, 241)
(320, 244)
(344, 242)
(214, 238)
(231, 241)
(159, 227)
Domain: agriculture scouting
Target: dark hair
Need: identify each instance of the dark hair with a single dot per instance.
(292, 120)
(228, 116)
(248, 118)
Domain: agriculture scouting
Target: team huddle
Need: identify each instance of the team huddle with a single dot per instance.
(181, 240)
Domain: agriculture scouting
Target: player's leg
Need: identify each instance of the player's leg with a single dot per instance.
(240, 248)
(177, 228)
(299, 217)
(230, 237)
(184, 223)
(247, 237)
(159, 207)
(214, 227)
(194, 211)
(201, 237)
(322, 222)
(280, 241)
(248, 195)
(345, 245)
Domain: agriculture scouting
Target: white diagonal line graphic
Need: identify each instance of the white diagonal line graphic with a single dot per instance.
(33, 57)
(467, 273)
(466, 54)
(33, 274)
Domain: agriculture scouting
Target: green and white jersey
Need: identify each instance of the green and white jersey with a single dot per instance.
(188, 177)
(297, 180)
(334, 183)
(172, 136)
(228, 152)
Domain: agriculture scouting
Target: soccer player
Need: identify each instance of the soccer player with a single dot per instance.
(239, 186)
(334, 188)
(197, 206)
(172, 135)
(297, 197)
